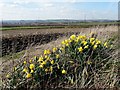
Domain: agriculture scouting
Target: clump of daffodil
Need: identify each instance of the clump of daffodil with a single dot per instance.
(80, 49)
(64, 71)
(32, 66)
(46, 51)
(29, 75)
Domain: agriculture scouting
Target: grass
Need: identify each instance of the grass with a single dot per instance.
(102, 76)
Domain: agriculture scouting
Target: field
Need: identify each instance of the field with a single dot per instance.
(53, 38)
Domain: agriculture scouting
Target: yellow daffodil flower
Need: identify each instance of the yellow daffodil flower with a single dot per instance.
(54, 49)
(30, 61)
(32, 66)
(105, 44)
(94, 47)
(86, 47)
(73, 37)
(28, 75)
(52, 62)
(40, 58)
(41, 66)
(64, 72)
(57, 55)
(92, 39)
(46, 51)
(32, 71)
(84, 43)
(80, 49)
(25, 70)
(24, 62)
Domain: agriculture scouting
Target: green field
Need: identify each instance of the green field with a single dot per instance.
(68, 25)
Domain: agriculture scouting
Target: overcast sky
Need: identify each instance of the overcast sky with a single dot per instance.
(58, 9)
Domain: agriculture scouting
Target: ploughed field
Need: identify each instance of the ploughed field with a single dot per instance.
(17, 40)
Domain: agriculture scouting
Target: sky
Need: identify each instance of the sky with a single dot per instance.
(58, 9)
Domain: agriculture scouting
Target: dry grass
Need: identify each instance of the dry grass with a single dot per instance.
(103, 33)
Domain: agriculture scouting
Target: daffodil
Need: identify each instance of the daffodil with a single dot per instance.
(41, 66)
(93, 42)
(32, 71)
(94, 47)
(40, 58)
(63, 49)
(98, 42)
(64, 71)
(105, 44)
(51, 68)
(30, 61)
(46, 70)
(54, 49)
(80, 49)
(29, 75)
(86, 47)
(32, 66)
(92, 39)
(25, 70)
(52, 61)
(46, 51)
(43, 63)
(73, 37)
(83, 37)
(84, 42)
(57, 55)
(24, 62)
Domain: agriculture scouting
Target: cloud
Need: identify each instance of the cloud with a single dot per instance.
(30, 9)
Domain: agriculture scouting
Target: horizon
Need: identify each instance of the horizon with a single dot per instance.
(74, 10)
